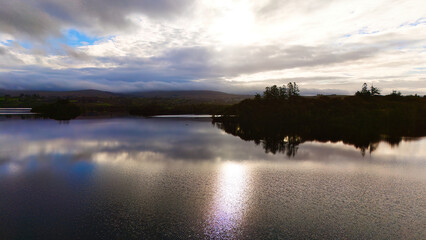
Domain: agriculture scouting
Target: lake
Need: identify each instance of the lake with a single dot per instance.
(185, 178)
(15, 111)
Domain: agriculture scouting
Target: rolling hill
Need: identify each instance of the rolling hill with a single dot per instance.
(195, 95)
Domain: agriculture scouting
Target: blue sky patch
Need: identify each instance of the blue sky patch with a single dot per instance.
(7, 42)
(75, 38)
(25, 45)
(419, 21)
(364, 31)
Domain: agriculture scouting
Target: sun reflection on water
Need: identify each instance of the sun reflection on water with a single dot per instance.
(229, 202)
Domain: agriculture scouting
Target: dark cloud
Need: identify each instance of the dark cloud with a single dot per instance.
(267, 58)
(20, 19)
(113, 79)
(193, 63)
(203, 62)
(126, 79)
(40, 19)
(76, 53)
(110, 14)
(177, 68)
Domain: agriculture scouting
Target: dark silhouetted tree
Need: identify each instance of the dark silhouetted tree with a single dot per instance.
(271, 93)
(280, 93)
(292, 89)
(257, 97)
(395, 93)
(374, 91)
(283, 92)
(364, 91)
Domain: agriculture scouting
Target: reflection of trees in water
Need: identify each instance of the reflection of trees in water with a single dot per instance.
(21, 116)
(30, 117)
(362, 121)
(286, 139)
(371, 147)
(273, 141)
(287, 145)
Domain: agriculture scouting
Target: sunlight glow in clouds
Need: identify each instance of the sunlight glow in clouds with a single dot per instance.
(234, 25)
(234, 46)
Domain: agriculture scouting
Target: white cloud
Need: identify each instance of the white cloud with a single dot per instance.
(229, 45)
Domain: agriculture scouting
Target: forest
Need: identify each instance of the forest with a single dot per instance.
(69, 107)
(280, 119)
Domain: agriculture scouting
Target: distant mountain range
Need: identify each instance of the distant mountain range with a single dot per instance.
(200, 95)
(192, 95)
(79, 93)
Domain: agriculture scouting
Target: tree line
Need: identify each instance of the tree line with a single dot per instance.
(365, 117)
(279, 93)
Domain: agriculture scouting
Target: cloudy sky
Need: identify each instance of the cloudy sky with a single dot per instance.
(241, 46)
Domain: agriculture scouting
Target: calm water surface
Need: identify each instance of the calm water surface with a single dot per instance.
(16, 111)
(135, 178)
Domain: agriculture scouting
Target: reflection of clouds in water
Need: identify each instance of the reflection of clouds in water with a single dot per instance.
(59, 146)
(123, 157)
(229, 203)
(142, 161)
(140, 140)
(142, 171)
(10, 168)
(407, 152)
(172, 138)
